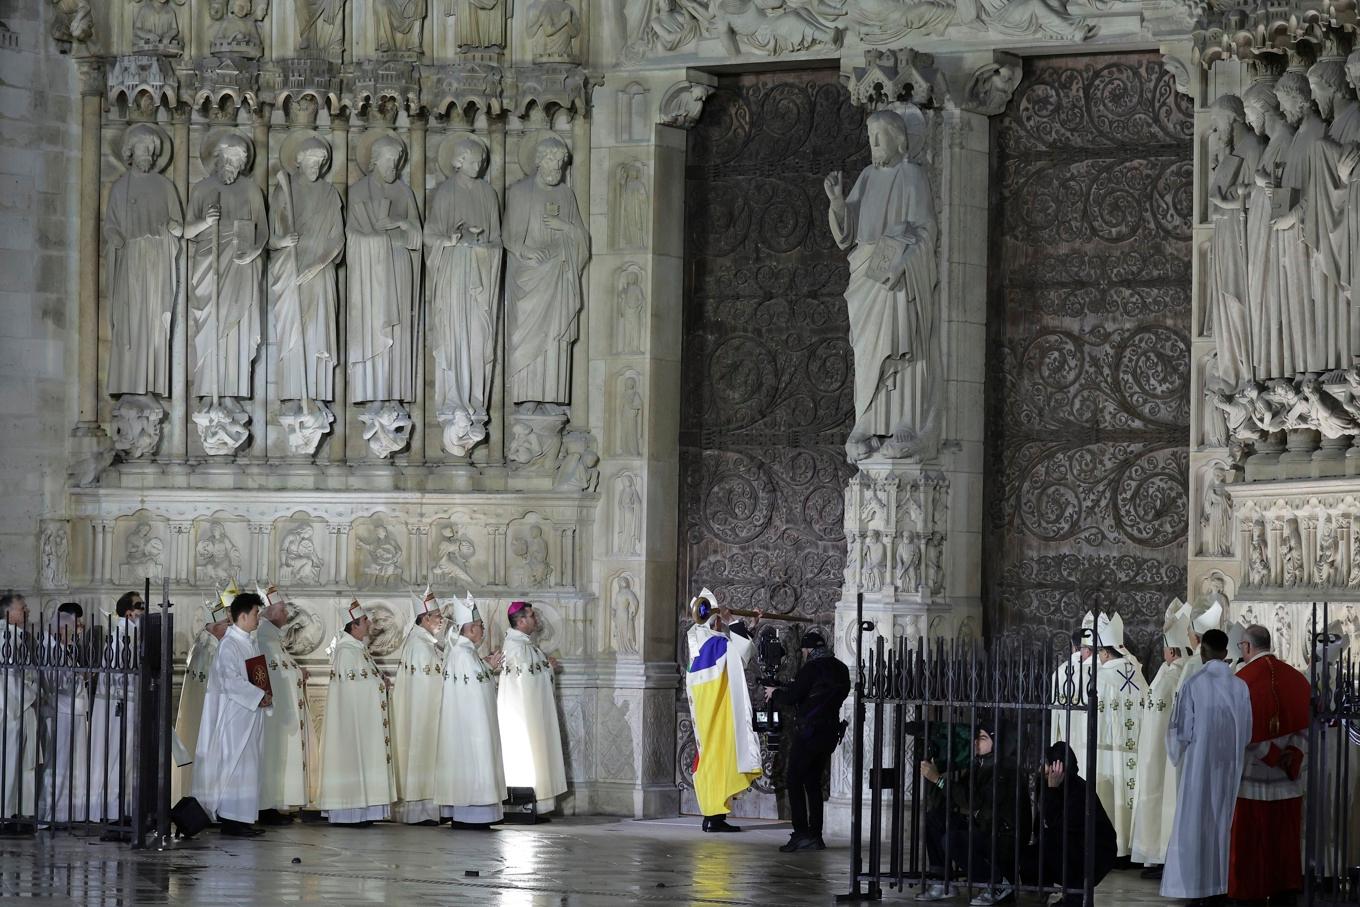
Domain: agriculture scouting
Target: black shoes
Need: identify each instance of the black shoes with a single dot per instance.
(274, 817)
(719, 824)
(234, 829)
(1151, 872)
(800, 841)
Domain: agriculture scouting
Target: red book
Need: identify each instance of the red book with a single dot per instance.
(257, 671)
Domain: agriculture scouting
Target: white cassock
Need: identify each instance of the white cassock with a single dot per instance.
(415, 708)
(1121, 696)
(65, 734)
(113, 726)
(1069, 688)
(1207, 742)
(1154, 801)
(17, 698)
(231, 735)
(531, 741)
(356, 748)
(471, 784)
(289, 745)
(190, 712)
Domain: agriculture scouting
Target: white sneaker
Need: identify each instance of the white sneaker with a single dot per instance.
(999, 895)
(936, 891)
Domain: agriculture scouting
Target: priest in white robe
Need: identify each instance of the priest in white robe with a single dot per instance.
(1121, 696)
(1154, 802)
(231, 734)
(357, 784)
(470, 785)
(289, 744)
(531, 741)
(65, 720)
(18, 696)
(114, 717)
(1208, 616)
(1069, 684)
(1207, 740)
(194, 687)
(416, 696)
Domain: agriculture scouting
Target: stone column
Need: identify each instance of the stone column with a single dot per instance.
(180, 405)
(340, 124)
(91, 109)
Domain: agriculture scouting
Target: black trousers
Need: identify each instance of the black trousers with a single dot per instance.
(809, 758)
(971, 853)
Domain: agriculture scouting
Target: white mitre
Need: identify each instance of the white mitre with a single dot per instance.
(1211, 618)
(1110, 630)
(465, 612)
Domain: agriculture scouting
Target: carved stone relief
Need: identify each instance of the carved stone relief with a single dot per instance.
(578, 466)
(451, 558)
(630, 207)
(399, 26)
(630, 310)
(144, 553)
(624, 612)
(320, 26)
(54, 549)
(379, 551)
(217, 556)
(530, 559)
(237, 32)
(627, 515)
(300, 562)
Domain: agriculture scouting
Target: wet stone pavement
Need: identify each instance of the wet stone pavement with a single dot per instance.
(570, 862)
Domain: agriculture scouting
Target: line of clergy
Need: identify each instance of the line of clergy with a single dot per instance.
(442, 740)
(1201, 772)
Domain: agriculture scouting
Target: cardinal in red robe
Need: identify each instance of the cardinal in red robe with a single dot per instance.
(1267, 829)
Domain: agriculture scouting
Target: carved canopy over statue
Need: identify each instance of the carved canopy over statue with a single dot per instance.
(888, 223)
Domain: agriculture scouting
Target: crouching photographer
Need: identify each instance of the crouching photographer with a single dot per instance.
(971, 816)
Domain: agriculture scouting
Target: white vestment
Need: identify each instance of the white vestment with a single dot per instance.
(1069, 689)
(471, 782)
(1121, 696)
(113, 726)
(1154, 800)
(231, 734)
(1207, 741)
(289, 745)
(415, 709)
(65, 726)
(356, 750)
(18, 697)
(190, 713)
(531, 741)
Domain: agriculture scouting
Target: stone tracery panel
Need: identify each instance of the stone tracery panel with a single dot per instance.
(1089, 329)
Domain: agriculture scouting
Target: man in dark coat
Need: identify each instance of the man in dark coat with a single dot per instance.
(816, 695)
(1058, 854)
(967, 807)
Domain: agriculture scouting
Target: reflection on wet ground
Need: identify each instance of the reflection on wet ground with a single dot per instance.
(570, 862)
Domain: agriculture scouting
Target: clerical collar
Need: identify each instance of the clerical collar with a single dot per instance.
(1258, 655)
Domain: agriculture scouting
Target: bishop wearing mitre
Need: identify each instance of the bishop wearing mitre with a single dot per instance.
(231, 735)
(531, 741)
(1069, 685)
(289, 744)
(195, 686)
(1121, 695)
(470, 789)
(415, 709)
(1154, 802)
(357, 786)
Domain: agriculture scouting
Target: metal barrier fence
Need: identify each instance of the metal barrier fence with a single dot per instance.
(991, 828)
(977, 827)
(1332, 818)
(86, 747)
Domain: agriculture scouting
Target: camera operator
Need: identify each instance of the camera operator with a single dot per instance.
(816, 695)
(983, 791)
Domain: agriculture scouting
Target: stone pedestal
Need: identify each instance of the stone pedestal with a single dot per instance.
(896, 527)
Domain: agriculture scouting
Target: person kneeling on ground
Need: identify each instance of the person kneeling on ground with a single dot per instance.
(965, 809)
(1062, 832)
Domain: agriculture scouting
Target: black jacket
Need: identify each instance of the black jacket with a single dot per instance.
(989, 793)
(816, 695)
(1063, 813)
